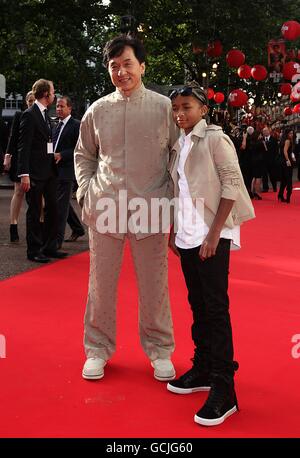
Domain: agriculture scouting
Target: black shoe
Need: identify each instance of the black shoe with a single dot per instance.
(13, 231)
(190, 382)
(257, 196)
(265, 190)
(56, 254)
(220, 404)
(40, 257)
(74, 236)
(281, 198)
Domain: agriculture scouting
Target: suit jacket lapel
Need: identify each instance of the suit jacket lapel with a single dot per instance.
(40, 120)
(64, 132)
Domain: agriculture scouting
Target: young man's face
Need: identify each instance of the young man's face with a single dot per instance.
(187, 112)
(126, 71)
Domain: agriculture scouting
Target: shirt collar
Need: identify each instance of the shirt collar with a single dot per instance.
(41, 106)
(185, 138)
(136, 94)
(65, 120)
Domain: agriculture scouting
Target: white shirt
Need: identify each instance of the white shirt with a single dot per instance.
(41, 107)
(192, 228)
(64, 121)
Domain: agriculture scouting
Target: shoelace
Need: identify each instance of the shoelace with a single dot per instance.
(216, 398)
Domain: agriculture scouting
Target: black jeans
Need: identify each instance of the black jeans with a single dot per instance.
(207, 284)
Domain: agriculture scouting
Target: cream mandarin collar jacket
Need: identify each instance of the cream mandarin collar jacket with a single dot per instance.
(124, 144)
(212, 171)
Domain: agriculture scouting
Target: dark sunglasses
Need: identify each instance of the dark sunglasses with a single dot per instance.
(186, 91)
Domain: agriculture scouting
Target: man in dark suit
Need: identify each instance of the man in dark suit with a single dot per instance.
(65, 137)
(37, 170)
(271, 147)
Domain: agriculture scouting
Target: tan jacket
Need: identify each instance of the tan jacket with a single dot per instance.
(124, 144)
(212, 171)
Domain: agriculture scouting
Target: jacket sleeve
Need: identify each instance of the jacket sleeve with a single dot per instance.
(26, 133)
(14, 134)
(86, 155)
(227, 165)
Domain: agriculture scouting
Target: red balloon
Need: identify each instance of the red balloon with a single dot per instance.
(219, 97)
(290, 69)
(235, 58)
(214, 49)
(237, 98)
(291, 30)
(287, 111)
(296, 108)
(259, 72)
(286, 89)
(210, 93)
(244, 71)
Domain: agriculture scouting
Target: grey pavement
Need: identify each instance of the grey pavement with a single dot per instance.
(13, 258)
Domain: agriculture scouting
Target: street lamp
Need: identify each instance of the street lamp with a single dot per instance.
(22, 51)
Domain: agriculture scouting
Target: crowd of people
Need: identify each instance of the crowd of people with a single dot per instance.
(152, 147)
(45, 177)
(267, 159)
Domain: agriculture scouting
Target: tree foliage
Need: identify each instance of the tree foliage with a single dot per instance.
(65, 39)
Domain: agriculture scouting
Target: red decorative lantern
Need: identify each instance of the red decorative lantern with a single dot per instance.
(244, 71)
(210, 93)
(291, 30)
(296, 108)
(237, 98)
(287, 111)
(286, 89)
(290, 69)
(259, 72)
(214, 49)
(219, 97)
(235, 58)
(296, 88)
(295, 97)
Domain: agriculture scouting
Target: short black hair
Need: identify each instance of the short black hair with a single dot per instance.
(115, 47)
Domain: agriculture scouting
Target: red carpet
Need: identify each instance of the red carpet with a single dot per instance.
(43, 395)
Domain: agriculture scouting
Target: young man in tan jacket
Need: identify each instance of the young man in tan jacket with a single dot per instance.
(213, 202)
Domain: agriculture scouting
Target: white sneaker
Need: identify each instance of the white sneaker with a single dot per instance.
(163, 370)
(93, 368)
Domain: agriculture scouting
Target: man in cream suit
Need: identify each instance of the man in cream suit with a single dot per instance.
(123, 148)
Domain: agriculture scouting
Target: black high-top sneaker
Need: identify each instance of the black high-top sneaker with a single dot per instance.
(220, 404)
(190, 382)
(13, 232)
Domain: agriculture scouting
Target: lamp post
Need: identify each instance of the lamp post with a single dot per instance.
(22, 51)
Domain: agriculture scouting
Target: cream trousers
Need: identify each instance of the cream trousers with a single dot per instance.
(151, 267)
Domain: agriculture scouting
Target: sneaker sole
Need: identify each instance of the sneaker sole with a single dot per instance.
(165, 379)
(216, 421)
(176, 390)
(92, 377)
